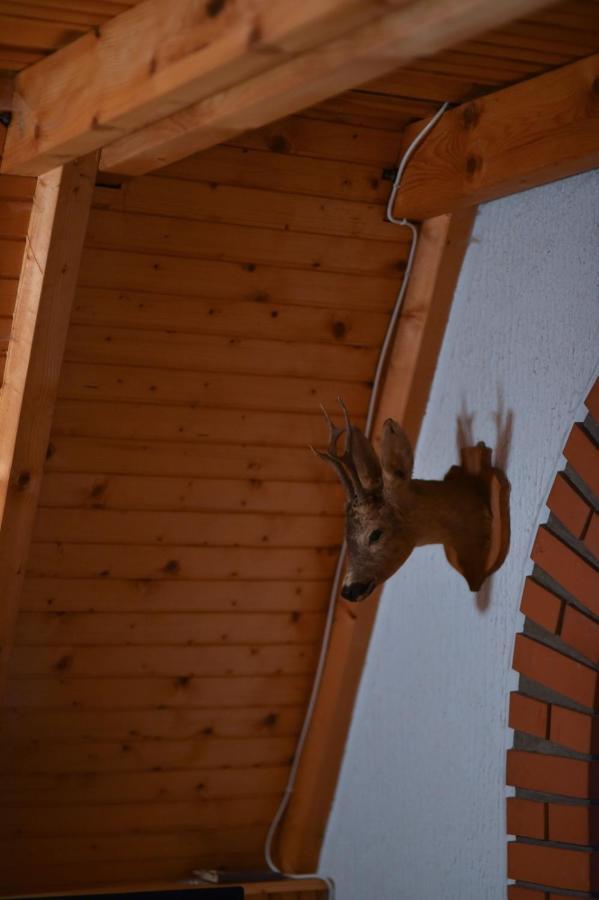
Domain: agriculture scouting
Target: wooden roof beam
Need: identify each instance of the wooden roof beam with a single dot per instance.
(517, 138)
(156, 59)
(404, 33)
(45, 293)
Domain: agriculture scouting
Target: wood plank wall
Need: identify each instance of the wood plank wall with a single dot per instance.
(16, 194)
(186, 539)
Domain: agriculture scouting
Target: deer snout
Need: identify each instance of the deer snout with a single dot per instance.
(357, 590)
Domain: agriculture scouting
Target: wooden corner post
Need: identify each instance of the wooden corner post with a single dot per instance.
(45, 293)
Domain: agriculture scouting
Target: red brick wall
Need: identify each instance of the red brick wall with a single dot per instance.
(553, 714)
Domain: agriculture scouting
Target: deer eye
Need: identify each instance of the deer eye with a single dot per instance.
(374, 536)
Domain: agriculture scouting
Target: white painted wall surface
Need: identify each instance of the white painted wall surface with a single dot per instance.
(419, 812)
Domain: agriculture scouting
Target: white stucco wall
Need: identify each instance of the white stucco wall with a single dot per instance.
(419, 811)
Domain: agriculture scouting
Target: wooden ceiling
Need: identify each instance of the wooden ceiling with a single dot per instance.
(186, 538)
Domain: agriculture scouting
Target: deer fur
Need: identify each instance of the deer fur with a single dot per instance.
(388, 512)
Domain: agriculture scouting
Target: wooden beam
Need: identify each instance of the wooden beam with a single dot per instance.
(46, 288)
(518, 138)
(414, 30)
(443, 242)
(155, 59)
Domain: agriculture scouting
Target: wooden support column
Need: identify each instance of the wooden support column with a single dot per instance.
(518, 138)
(412, 362)
(46, 288)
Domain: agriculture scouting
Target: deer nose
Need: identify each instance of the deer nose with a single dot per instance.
(356, 590)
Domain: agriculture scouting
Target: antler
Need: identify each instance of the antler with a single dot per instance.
(343, 463)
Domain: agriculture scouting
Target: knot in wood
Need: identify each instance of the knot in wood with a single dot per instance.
(473, 164)
(470, 116)
(23, 480)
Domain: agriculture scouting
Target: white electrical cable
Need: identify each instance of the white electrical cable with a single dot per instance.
(341, 559)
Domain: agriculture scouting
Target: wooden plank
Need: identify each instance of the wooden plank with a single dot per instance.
(196, 460)
(208, 389)
(274, 209)
(249, 246)
(526, 135)
(8, 293)
(404, 395)
(199, 563)
(20, 31)
(318, 140)
(143, 693)
(112, 269)
(124, 596)
(176, 630)
(130, 662)
(46, 288)
(288, 171)
(197, 814)
(263, 317)
(414, 30)
(129, 755)
(11, 255)
(120, 846)
(254, 736)
(371, 110)
(174, 349)
(161, 62)
(87, 418)
(108, 788)
(68, 13)
(191, 529)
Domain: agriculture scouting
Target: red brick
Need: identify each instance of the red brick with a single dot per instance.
(549, 774)
(541, 605)
(515, 892)
(526, 818)
(592, 401)
(554, 896)
(583, 455)
(591, 538)
(552, 866)
(528, 715)
(574, 573)
(551, 668)
(569, 824)
(568, 506)
(571, 729)
(581, 633)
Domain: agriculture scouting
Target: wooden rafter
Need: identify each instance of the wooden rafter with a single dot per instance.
(412, 362)
(523, 136)
(46, 288)
(151, 63)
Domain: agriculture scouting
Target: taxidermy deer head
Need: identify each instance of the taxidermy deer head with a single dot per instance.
(388, 513)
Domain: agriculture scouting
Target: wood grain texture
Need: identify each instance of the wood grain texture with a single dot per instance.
(526, 135)
(186, 536)
(162, 62)
(46, 287)
(400, 36)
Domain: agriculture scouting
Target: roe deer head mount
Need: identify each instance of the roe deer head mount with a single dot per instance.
(388, 512)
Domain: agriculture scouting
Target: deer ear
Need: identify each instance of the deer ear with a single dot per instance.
(396, 451)
(366, 460)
